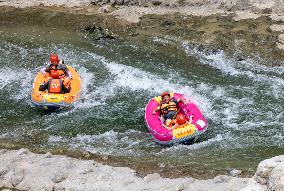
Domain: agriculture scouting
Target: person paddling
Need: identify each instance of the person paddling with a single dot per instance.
(56, 68)
(60, 86)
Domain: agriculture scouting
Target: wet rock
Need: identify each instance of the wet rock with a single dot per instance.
(261, 180)
(17, 176)
(112, 2)
(281, 38)
(280, 46)
(106, 157)
(105, 9)
(221, 179)
(277, 28)
(266, 11)
(3, 151)
(145, 3)
(240, 58)
(128, 182)
(59, 177)
(104, 2)
(86, 171)
(180, 187)
(100, 33)
(280, 43)
(235, 172)
(99, 2)
(23, 151)
(60, 188)
(3, 170)
(231, 5)
(152, 177)
(167, 23)
(47, 155)
(86, 154)
(119, 2)
(156, 3)
(95, 2)
(276, 17)
(263, 7)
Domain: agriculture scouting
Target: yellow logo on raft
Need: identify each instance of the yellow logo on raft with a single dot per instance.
(53, 98)
(184, 130)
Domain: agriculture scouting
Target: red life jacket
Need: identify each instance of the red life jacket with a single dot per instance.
(55, 86)
(56, 72)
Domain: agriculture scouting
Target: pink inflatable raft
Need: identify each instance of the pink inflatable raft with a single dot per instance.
(181, 134)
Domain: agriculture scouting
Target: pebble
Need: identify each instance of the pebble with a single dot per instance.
(3, 170)
(151, 177)
(235, 172)
(59, 177)
(221, 179)
(47, 155)
(277, 28)
(23, 151)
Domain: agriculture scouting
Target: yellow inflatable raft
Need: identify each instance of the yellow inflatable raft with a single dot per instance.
(55, 101)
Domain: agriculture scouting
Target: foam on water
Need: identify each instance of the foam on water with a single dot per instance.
(217, 140)
(229, 66)
(89, 97)
(10, 77)
(7, 76)
(109, 142)
(136, 79)
(234, 120)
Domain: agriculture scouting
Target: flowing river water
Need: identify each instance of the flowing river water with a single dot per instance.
(242, 100)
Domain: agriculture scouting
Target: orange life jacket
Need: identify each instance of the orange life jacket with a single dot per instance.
(55, 86)
(56, 72)
(166, 107)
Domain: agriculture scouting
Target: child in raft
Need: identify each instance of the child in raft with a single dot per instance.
(169, 110)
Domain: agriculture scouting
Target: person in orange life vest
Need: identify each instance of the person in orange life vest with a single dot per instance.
(56, 68)
(168, 107)
(61, 86)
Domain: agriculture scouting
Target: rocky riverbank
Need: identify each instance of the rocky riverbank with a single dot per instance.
(258, 24)
(24, 170)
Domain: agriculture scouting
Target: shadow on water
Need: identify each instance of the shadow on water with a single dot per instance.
(43, 112)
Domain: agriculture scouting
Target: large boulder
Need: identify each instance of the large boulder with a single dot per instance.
(270, 172)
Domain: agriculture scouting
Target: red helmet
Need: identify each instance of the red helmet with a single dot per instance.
(54, 58)
(180, 118)
(165, 93)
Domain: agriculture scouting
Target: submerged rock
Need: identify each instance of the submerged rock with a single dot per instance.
(99, 33)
